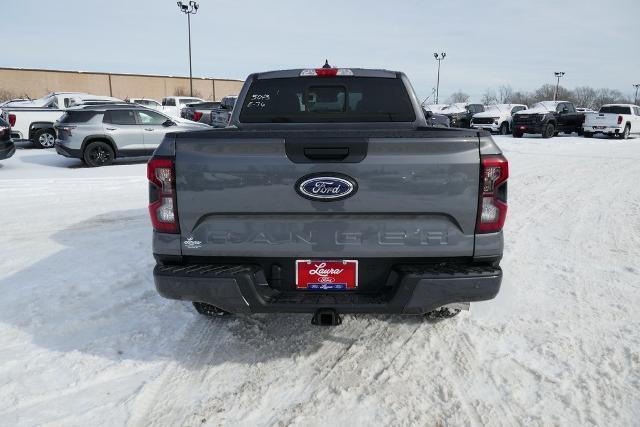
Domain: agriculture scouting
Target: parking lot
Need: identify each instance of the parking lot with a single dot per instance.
(86, 340)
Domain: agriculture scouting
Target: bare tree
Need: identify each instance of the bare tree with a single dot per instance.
(609, 96)
(518, 97)
(584, 96)
(6, 95)
(458, 96)
(489, 97)
(505, 93)
(180, 91)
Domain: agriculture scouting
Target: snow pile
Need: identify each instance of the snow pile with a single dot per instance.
(85, 339)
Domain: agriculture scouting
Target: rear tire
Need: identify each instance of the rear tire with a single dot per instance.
(625, 133)
(549, 131)
(44, 138)
(504, 128)
(97, 154)
(209, 310)
(588, 135)
(440, 314)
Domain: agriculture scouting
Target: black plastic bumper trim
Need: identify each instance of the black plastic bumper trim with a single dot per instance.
(414, 289)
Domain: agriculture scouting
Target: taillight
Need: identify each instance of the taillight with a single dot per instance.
(197, 116)
(492, 209)
(12, 120)
(67, 129)
(619, 120)
(162, 195)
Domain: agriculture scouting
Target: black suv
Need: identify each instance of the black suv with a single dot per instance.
(548, 118)
(459, 118)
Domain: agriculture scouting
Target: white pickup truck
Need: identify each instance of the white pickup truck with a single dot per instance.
(34, 120)
(620, 120)
(172, 105)
(497, 118)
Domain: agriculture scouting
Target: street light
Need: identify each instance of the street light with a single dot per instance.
(635, 98)
(189, 9)
(558, 75)
(438, 58)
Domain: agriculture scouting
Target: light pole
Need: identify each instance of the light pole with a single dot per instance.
(438, 58)
(189, 9)
(635, 98)
(558, 75)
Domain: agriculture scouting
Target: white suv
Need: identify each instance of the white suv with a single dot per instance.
(496, 118)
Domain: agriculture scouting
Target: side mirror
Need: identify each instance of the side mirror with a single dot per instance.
(168, 123)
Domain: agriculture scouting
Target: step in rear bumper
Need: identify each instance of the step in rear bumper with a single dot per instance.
(416, 289)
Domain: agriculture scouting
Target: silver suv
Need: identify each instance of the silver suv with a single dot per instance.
(97, 134)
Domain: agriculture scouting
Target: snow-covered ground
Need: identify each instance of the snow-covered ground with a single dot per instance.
(85, 339)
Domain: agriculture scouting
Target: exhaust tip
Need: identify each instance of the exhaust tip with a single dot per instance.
(326, 317)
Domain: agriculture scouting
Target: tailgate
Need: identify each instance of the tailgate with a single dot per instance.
(601, 119)
(415, 197)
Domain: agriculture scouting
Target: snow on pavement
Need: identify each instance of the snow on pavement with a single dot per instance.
(85, 339)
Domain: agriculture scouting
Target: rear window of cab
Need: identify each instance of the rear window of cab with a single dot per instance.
(615, 109)
(327, 100)
(77, 116)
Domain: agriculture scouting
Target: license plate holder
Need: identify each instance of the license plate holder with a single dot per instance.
(326, 275)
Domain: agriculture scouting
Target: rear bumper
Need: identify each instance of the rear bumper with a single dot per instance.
(411, 289)
(528, 127)
(611, 130)
(7, 150)
(67, 152)
(487, 127)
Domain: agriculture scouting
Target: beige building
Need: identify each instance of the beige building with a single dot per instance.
(34, 83)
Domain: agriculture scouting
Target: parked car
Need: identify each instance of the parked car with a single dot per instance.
(220, 117)
(172, 105)
(435, 119)
(98, 134)
(146, 102)
(548, 118)
(359, 206)
(497, 118)
(7, 148)
(34, 120)
(199, 111)
(13, 101)
(60, 100)
(585, 110)
(620, 120)
(460, 114)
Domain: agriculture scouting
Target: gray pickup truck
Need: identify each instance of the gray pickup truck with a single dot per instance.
(328, 194)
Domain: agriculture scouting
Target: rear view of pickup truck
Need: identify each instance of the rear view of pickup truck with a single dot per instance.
(328, 194)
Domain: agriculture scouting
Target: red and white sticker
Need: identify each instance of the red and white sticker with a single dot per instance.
(326, 275)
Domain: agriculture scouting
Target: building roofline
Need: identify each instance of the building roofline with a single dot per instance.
(114, 74)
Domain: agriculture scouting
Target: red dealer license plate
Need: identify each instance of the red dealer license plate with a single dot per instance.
(322, 275)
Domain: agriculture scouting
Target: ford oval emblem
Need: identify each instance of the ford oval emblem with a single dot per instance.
(326, 187)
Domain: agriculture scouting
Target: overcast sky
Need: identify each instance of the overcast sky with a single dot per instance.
(488, 42)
